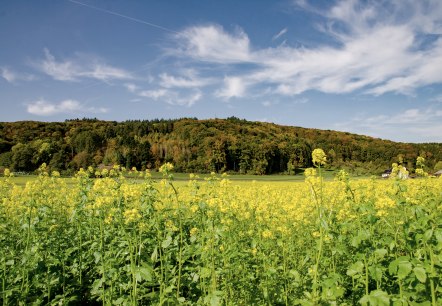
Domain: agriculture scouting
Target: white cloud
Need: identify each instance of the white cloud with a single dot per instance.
(233, 87)
(8, 75)
(131, 87)
(80, 67)
(211, 43)
(267, 103)
(12, 76)
(172, 97)
(437, 99)
(300, 101)
(188, 100)
(379, 48)
(263, 120)
(45, 108)
(154, 94)
(104, 73)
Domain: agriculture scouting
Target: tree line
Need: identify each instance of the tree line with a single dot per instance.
(192, 145)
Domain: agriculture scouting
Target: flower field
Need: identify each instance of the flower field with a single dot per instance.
(113, 240)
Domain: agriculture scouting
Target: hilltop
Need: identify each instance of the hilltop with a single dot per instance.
(194, 145)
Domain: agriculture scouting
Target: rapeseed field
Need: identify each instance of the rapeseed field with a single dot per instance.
(112, 240)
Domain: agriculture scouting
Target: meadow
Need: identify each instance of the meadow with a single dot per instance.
(112, 239)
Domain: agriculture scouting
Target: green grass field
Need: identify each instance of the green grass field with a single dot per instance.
(179, 178)
(21, 180)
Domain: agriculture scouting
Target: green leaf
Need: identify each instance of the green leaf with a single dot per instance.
(404, 268)
(428, 234)
(438, 235)
(96, 286)
(376, 297)
(381, 253)
(295, 275)
(205, 272)
(420, 273)
(97, 256)
(154, 255)
(181, 299)
(215, 300)
(355, 268)
(119, 301)
(145, 273)
(376, 272)
(166, 243)
(10, 262)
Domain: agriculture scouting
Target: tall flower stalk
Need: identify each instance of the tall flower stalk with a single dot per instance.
(319, 159)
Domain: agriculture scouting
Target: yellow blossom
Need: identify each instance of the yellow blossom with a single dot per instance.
(319, 157)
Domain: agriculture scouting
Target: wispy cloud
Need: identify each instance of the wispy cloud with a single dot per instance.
(268, 103)
(154, 94)
(379, 48)
(437, 99)
(80, 67)
(189, 79)
(280, 33)
(44, 108)
(13, 76)
(172, 97)
(415, 124)
(233, 87)
(131, 87)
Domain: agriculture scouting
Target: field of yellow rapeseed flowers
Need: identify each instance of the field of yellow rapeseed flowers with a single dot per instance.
(112, 240)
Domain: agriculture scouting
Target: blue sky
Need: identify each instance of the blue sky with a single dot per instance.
(366, 67)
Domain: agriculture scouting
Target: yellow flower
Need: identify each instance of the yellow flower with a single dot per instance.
(319, 157)
(7, 173)
(267, 234)
(193, 231)
(310, 172)
(421, 172)
(171, 226)
(253, 251)
(167, 167)
(131, 215)
(420, 161)
(316, 234)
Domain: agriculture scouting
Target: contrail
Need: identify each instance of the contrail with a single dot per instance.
(124, 16)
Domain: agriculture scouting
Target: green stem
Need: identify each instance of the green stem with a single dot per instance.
(366, 275)
(286, 298)
(134, 277)
(48, 283)
(162, 273)
(180, 247)
(321, 239)
(103, 275)
(212, 255)
(433, 291)
(5, 301)
(80, 247)
(318, 258)
(28, 239)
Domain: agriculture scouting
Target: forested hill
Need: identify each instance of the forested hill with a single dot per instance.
(198, 146)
